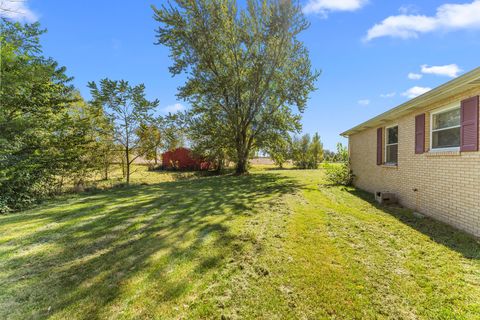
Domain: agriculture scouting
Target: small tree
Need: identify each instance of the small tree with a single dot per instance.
(106, 151)
(128, 108)
(329, 155)
(279, 151)
(306, 152)
(316, 151)
(83, 142)
(340, 174)
(300, 151)
(342, 153)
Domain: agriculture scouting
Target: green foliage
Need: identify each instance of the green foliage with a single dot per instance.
(329, 156)
(101, 150)
(208, 139)
(279, 151)
(299, 151)
(127, 108)
(316, 151)
(174, 131)
(341, 155)
(247, 71)
(42, 136)
(106, 151)
(150, 139)
(340, 173)
(278, 148)
(307, 153)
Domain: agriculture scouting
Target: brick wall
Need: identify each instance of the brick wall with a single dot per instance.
(448, 183)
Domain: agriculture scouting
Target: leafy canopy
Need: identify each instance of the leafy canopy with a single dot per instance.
(127, 108)
(40, 135)
(248, 75)
(307, 152)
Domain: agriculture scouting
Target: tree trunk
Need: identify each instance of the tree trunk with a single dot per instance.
(105, 177)
(123, 167)
(220, 164)
(243, 151)
(242, 165)
(60, 186)
(127, 158)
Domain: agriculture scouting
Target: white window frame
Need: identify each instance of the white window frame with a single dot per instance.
(391, 144)
(452, 106)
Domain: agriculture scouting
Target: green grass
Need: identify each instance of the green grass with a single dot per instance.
(140, 176)
(271, 245)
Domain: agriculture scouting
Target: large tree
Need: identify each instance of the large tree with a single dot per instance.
(40, 135)
(246, 70)
(127, 108)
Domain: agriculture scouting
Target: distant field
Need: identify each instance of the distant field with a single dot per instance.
(262, 161)
(269, 245)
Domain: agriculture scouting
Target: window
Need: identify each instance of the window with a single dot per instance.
(446, 129)
(391, 145)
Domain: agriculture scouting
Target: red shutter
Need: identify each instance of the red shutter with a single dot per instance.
(469, 121)
(379, 146)
(420, 134)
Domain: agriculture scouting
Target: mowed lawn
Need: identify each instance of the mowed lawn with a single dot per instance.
(271, 245)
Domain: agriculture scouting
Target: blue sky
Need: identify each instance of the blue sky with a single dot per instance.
(373, 54)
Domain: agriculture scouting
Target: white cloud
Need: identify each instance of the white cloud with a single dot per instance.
(414, 76)
(364, 102)
(408, 9)
(17, 10)
(323, 7)
(450, 70)
(415, 92)
(448, 17)
(388, 95)
(402, 26)
(174, 108)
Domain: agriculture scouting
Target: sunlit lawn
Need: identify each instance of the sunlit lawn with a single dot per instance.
(271, 245)
(140, 176)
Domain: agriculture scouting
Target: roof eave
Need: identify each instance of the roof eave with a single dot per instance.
(438, 93)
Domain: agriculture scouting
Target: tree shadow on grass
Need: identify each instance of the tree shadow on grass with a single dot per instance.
(441, 233)
(85, 253)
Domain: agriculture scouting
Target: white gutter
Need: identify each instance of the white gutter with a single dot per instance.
(431, 96)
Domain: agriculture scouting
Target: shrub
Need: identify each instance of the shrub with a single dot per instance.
(307, 153)
(4, 208)
(339, 173)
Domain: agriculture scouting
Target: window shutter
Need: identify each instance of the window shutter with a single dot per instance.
(469, 121)
(420, 134)
(379, 146)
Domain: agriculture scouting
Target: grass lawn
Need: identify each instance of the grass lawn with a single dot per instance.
(271, 245)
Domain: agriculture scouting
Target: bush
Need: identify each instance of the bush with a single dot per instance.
(4, 208)
(307, 153)
(339, 174)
